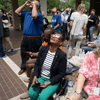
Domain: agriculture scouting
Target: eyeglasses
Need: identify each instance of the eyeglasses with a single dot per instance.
(56, 36)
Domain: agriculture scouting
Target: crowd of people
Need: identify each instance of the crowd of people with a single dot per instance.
(42, 53)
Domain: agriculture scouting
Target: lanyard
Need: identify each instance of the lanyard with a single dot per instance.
(98, 73)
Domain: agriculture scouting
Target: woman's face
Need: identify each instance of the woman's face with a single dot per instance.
(56, 39)
(92, 13)
(1, 12)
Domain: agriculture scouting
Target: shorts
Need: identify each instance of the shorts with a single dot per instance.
(6, 32)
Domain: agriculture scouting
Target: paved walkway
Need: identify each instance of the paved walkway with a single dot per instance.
(12, 84)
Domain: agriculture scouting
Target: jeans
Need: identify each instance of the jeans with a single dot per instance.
(46, 92)
(75, 39)
(91, 30)
(29, 44)
(65, 31)
(1, 48)
(86, 48)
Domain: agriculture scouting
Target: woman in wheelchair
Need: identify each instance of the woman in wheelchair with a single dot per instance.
(89, 77)
(49, 69)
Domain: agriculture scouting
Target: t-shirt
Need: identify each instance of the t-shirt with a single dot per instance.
(45, 72)
(1, 27)
(79, 20)
(56, 20)
(32, 27)
(4, 17)
(65, 17)
(94, 18)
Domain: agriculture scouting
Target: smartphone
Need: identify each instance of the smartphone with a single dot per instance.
(27, 55)
(35, 86)
(84, 94)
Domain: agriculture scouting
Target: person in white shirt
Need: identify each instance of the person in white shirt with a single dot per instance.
(77, 26)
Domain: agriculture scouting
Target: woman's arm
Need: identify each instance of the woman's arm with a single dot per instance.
(5, 21)
(90, 20)
(83, 75)
(71, 24)
(79, 86)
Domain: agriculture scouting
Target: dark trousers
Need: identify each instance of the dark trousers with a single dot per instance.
(1, 48)
(65, 31)
(86, 48)
(29, 44)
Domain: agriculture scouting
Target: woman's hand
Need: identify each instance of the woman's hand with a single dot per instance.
(75, 96)
(45, 84)
(35, 80)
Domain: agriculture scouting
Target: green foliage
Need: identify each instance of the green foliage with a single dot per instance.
(68, 4)
(72, 4)
(87, 4)
(52, 3)
(5, 4)
(21, 2)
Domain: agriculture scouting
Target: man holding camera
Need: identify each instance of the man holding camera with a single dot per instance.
(32, 30)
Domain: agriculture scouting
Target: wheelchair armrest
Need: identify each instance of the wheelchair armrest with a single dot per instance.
(64, 83)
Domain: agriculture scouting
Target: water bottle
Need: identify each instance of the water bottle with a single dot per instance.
(81, 55)
(70, 86)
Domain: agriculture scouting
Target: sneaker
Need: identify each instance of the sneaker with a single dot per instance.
(5, 50)
(3, 56)
(12, 51)
(68, 47)
(26, 80)
(24, 95)
(21, 72)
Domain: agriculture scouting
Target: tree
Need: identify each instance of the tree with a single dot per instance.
(52, 3)
(72, 4)
(5, 5)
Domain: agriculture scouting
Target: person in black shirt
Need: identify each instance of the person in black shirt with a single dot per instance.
(6, 31)
(45, 21)
(2, 54)
(91, 25)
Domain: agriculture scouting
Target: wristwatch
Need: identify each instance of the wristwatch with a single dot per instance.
(78, 92)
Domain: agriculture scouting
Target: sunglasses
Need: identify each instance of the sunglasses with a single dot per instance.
(56, 36)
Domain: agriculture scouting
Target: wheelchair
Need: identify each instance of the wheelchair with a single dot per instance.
(61, 90)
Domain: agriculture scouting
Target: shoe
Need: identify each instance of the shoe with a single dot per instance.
(21, 72)
(24, 95)
(5, 50)
(26, 80)
(3, 56)
(68, 47)
(12, 51)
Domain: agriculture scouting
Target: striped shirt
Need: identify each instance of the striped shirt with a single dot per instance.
(45, 72)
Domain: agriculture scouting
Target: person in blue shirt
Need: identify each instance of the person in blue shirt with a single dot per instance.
(32, 30)
(66, 15)
(56, 20)
(92, 45)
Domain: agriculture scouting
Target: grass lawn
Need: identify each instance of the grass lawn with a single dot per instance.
(49, 18)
